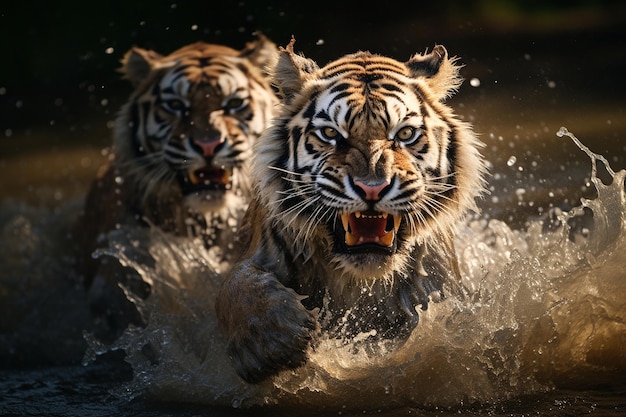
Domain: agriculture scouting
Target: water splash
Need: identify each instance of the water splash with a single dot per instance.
(608, 208)
(546, 308)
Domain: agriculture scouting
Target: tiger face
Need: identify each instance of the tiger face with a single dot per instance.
(367, 162)
(188, 128)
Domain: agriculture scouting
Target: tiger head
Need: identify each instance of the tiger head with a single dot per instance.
(187, 130)
(366, 163)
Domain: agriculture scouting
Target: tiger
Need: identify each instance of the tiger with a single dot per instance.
(361, 182)
(181, 147)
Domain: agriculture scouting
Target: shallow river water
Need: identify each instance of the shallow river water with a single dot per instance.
(541, 332)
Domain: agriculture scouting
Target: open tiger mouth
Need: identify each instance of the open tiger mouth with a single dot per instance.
(367, 230)
(206, 178)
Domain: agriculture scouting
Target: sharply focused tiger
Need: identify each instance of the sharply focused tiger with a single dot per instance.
(181, 145)
(360, 183)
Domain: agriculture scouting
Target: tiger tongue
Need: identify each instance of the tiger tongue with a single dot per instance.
(368, 227)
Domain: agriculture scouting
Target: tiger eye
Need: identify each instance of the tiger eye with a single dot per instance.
(175, 104)
(405, 133)
(330, 132)
(234, 103)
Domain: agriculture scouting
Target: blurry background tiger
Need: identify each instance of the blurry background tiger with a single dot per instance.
(181, 148)
(361, 183)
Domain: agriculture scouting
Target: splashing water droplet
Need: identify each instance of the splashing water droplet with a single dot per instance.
(512, 160)
(594, 156)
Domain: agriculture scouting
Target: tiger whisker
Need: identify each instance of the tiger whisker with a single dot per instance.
(441, 187)
(429, 206)
(302, 194)
(161, 175)
(302, 204)
(448, 211)
(286, 171)
(314, 220)
(297, 174)
(419, 208)
(295, 211)
(439, 205)
(443, 177)
(415, 222)
(172, 150)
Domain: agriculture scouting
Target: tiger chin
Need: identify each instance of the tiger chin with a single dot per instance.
(181, 149)
(361, 181)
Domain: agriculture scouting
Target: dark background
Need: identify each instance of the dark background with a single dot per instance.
(541, 64)
(60, 53)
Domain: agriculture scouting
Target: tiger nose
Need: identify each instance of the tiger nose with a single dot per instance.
(371, 191)
(208, 147)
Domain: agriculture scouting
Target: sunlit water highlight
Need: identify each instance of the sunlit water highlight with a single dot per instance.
(545, 308)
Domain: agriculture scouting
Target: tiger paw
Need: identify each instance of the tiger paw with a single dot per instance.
(275, 335)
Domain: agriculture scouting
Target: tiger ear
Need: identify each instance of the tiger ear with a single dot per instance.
(138, 63)
(261, 52)
(291, 71)
(440, 72)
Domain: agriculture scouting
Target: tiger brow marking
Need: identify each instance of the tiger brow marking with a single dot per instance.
(183, 68)
(339, 87)
(323, 114)
(369, 77)
(342, 67)
(204, 61)
(390, 87)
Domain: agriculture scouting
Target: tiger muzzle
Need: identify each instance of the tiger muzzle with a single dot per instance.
(209, 177)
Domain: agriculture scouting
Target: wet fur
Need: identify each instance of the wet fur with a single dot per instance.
(292, 281)
(139, 187)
